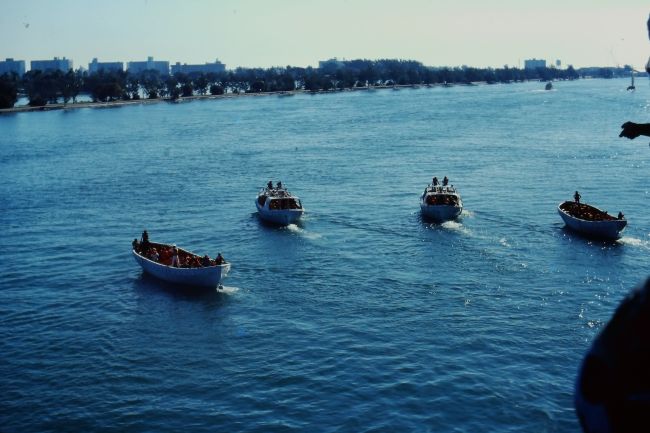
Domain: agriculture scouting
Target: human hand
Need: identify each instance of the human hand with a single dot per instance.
(630, 130)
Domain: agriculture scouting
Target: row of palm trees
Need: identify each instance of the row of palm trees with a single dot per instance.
(43, 87)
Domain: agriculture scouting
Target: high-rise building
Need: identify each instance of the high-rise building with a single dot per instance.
(95, 66)
(330, 66)
(157, 65)
(216, 67)
(63, 65)
(11, 65)
(534, 63)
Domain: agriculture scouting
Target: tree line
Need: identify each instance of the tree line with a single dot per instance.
(49, 87)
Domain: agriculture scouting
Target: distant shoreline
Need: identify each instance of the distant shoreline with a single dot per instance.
(119, 103)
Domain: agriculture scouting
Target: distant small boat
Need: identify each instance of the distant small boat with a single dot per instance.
(441, 203)
(278, 205)
(590, 220)
(207, 276)
(549, 86)
(631, 86)
(285, 94)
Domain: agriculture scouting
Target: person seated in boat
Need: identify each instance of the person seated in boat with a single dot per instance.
(577, 197)
(176, 262)
(279, 185)
(269, 185)
(206, 261)
(165, 256)
(621, 216)
(445, 181)
(153, 255)
(136, 245)
(195, 262)
(219, 260)
(435, 181)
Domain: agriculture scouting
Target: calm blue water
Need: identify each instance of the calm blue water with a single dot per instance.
(363, 317)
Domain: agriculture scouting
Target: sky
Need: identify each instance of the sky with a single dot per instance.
(266, 33)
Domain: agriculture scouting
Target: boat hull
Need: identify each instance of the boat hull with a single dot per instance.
(279, 216)
(197, 277)
(441, 213)
(610, 229)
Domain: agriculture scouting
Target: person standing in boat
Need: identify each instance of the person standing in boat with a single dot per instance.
(435, 181)
(144, 243)
(613, 386)
(577, 197)
(445, 181)
(269, 185)
(219, 260)
(175, 260)
(620, 215)
(279, 185)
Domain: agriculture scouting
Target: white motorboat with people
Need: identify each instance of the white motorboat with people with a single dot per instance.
(278, 205)
(590, 220)
(176, 265)
(441, 202)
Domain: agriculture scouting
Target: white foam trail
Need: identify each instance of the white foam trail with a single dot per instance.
(294, 228)
(452, 225)
(626, 240)
(455, 226)
(467, 213)
(229, 290)
(304, 233)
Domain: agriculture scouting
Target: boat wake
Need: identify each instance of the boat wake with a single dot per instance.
(635, 242)
(293, 228)
(455, 226)
(228, 290)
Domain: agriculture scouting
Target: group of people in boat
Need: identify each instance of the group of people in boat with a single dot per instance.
(284, 203)
(440, 199)
(444, 199)
(172, 256)
(445, 181)
(283, 199)
(588, 213)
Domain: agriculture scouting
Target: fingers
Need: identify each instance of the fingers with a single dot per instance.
(630, 130)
